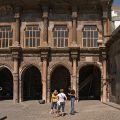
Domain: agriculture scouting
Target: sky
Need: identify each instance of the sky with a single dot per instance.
(116, 2)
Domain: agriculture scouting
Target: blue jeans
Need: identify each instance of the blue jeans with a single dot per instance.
(54, 105)
(61, 106)
(72, 105)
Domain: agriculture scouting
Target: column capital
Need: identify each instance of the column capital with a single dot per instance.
(44, 52)
(105, 16)
(45, 11)
(74, 15)
(17, 10)
(74, 52)
(103, 52)
(16, 76)
(15, 52)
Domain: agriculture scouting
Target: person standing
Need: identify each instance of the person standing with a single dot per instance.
(54, 100)
(61, 102)
(72, 100)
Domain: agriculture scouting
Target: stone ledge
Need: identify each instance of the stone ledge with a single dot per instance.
(114, 105)
(2, 116)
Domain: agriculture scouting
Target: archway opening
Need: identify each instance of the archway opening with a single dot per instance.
(89, 83)
(6, 84)
(60, 79)
(32, 84)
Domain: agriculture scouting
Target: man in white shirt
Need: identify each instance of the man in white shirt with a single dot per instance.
(61, 101)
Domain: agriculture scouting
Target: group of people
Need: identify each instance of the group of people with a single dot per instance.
(58, 102)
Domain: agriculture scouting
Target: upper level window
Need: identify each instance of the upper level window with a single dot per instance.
(60, 36)
(32, 36)
(90, 36)
(6, 36)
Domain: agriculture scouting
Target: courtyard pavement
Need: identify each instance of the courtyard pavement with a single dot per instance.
(85, 110)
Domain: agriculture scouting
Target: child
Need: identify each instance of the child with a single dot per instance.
(54, 100)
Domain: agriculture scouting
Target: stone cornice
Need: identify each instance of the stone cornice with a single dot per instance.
(89, 50)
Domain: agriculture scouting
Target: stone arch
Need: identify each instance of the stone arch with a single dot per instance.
(25, 66)
(97, 64)
(31, 80)
(89, 81)
(9, 67)
(51, 68)
(60, 77)
(6, 82)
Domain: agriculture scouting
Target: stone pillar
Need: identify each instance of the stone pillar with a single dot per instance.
(44, 58)
(44, 79)
(17, 29)
(45, 26)
(104, 97)
(104, 82)
(74, 57)
(48, 89)
(74, 73)
(15, 55)
(74, 28)
(106, 26)
(16, 82)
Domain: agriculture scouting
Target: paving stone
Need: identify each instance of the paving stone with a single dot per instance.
(85, 110)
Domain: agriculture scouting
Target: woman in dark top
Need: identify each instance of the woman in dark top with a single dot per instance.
(72, 99)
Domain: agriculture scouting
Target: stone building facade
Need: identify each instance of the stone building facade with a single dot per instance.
(113, 66)
(47, 45)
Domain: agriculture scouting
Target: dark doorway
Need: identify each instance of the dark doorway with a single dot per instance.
(32, 85)
(60, 79)
(89, 83)
(6, 84)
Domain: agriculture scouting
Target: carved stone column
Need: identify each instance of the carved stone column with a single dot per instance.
(44, 58)
(45, 26)
(17, 33)
(74, 58)
(15, 55)
(74, 32)
(104, 75)
(48, 89)
(104, 99)
(106, 26)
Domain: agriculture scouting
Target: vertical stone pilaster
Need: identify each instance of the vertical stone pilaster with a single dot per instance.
(104, 95)
(44, 58)
(106, 25)
(44, 79)
(15, 55)
(74, 28)
(48, 89)
(104, 99)
(17, 33)
(74, 57)
(74, 73)
(45, 26)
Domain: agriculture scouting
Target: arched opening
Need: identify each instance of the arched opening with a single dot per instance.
(60, 79)
(90, 83)
(32, 84)
(6, 84)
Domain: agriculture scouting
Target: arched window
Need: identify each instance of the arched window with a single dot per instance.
(60, 36)
(90, 36)
(31, 36)
(6, 36)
